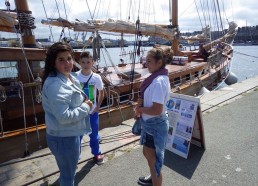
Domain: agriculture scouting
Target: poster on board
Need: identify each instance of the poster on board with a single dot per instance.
(182, 111)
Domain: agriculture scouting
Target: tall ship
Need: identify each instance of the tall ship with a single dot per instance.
(22, 125)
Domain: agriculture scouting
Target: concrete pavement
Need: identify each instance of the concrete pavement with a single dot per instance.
(230, 125)
(231, 151)
(230, 157)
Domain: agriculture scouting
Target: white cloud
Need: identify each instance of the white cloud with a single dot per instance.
(243, 12)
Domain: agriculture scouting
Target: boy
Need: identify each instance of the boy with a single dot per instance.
(90, 83)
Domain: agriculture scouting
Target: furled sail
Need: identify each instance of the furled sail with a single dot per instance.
(205, 35)
(126, 27)
(228, 37)
(115, 26)
(60, 22)
(8, 20)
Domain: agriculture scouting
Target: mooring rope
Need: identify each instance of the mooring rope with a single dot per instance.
(245, 54)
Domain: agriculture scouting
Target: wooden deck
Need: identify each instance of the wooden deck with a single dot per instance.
(173, 70)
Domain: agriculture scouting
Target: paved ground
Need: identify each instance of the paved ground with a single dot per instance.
(230, 157)
(230, 126)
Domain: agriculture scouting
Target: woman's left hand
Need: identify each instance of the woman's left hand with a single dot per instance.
(88, 102)
(137, 111)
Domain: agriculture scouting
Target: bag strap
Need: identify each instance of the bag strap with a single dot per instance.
(87, 81)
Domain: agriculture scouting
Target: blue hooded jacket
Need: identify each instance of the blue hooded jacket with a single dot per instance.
(65, 110)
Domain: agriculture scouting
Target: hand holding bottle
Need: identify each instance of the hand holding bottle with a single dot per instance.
(89, 102)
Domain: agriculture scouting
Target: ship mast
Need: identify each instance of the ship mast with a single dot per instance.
(175, 42)
(26, 23)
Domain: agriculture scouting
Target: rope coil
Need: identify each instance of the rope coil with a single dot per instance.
(2, 94)
(26, 20)
(7, 4)
(38, 92)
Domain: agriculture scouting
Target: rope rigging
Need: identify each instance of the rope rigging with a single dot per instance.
(3, 95)
(66, 17)
(7, 4)
(92, 15)
(220, 17)
(137, 46)
(96, 47)
(62, 34)
(245, 54)
(50, 28)
(215, 17)
(25, 24)
(57, 9)
(129, 10)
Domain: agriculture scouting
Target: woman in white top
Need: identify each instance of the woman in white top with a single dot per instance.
(154, 92)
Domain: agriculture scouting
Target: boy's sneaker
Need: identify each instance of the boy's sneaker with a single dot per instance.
(99, 159)
(145, 180)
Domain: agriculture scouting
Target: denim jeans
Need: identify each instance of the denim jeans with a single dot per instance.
(158, 128)
(66, 151)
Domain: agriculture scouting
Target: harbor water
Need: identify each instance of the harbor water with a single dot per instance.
(244, 64)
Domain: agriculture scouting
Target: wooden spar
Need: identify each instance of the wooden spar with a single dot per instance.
(7, 29)
(175, 23)
(27, 35)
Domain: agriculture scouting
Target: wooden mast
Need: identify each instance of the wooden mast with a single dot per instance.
(26, 24)
(175, 23)
(26, 30)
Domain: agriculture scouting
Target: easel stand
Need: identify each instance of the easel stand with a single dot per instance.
(185, 124)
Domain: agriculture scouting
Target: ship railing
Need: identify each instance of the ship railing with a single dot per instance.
(125, 98)
(13, 89)
(1, 124)
(109, 99)
(115, 99)
(188, 78)
(195, 76)
(118, 102)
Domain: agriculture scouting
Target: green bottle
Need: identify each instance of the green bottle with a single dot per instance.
(91, 93)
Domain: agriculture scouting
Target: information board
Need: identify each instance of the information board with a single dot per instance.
(185, 124)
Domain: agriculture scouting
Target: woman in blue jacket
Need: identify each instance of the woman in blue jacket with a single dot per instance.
(66, 110)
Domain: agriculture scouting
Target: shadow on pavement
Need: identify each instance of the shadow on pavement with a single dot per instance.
(84, 171)
(185, 167)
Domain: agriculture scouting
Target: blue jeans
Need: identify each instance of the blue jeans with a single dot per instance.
(94, 136)
(66, 151)
(157, 127)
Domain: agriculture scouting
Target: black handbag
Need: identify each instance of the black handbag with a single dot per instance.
(137, 127)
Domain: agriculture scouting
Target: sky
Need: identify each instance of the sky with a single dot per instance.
(243, 12)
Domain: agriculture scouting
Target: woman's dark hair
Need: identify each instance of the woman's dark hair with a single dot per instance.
(166, 55)
(51, 56)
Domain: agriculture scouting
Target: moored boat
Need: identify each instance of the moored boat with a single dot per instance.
(21, 113)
